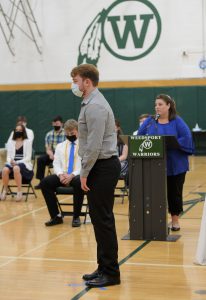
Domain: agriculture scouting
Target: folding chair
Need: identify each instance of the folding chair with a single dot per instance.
(70, 191)
(122, 188)
(50, 168)
(25, 184)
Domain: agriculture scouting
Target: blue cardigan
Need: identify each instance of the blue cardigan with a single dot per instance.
(177, 160)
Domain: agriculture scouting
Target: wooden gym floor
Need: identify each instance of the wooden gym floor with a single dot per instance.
(40, 263)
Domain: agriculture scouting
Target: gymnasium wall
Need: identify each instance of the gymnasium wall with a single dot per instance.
(136, 45)
(128, 40)
(40, 106)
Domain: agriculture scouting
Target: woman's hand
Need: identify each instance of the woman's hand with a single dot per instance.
(13, 163)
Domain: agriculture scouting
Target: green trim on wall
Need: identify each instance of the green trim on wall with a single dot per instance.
(40, 106)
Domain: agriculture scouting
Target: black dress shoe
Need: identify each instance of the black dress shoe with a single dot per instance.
(37, 187)
(103, 280)
(91, 276)
(76, 222)
(55, 221)
(175, 228)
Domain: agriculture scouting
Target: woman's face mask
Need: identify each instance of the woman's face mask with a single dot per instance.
(18, 134)
(75, 90)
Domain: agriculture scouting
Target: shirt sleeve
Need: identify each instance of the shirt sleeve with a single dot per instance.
(57, 162)
(9, 152)
(31, 135)
(78, 167)
(184, 136)
(96, 116)
(10, 137)
(47, 139)
(144, 128)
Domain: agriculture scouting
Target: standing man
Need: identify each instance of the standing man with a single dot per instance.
(100, 171)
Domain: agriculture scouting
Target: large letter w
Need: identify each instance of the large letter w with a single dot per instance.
(130, 28)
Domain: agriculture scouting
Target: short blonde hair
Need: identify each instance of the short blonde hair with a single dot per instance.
(70, 125)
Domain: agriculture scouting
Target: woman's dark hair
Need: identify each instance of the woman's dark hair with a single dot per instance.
(24, 136)
(168, 100)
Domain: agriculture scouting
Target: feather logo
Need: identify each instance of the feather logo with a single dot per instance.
(89, 49)
(125, 33)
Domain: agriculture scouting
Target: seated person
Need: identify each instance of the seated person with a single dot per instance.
(18, 165)
(21, 120)
(67, 165)
(142, 118)
(122, 149)
(52, 138)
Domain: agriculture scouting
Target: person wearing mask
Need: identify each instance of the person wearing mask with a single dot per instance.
(122, 149)
(67, 165)
(142, 118)
(22, 120)
(100, 169)
(18, 165)
(167, 122)
(53, 137)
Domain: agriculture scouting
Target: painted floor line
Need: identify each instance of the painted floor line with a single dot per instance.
(36, 248)
(163, 265)
(26, 214)
(84, 291)
(48, 259)
(94, 261)
(22, 216)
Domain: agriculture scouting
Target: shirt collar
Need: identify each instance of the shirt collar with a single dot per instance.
(89, 97)
(75, 142)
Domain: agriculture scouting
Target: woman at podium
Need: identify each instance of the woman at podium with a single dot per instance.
(167, 122)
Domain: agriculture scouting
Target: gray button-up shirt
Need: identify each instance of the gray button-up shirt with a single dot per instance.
(97, 136)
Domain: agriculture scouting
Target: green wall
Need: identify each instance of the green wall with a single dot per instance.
(127, 103)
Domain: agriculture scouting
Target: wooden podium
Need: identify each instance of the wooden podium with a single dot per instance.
(148, 187)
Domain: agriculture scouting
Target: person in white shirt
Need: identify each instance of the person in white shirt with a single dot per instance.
(18, 165)
(66, 173)
(142, 118)
(22, 120)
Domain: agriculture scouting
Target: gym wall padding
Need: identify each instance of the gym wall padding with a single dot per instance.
(127, 103)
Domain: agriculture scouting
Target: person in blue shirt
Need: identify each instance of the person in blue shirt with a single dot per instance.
(167, 122)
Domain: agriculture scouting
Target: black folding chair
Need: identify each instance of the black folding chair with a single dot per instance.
(69, 202)
(26, 185)
(121, 190)
(50, 169)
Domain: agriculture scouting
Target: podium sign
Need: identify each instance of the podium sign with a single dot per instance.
(146, 146)
(148, 188)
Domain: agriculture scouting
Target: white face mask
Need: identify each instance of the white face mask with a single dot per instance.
(75, 90)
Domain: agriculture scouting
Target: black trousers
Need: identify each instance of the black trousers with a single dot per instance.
(102, 181)
(174, 193)
(42, 162)
(48, 188)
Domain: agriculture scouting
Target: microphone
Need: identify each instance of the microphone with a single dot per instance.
(157, 117)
